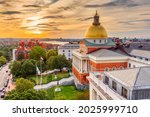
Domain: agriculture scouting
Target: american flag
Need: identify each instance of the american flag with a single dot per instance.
(38, 71)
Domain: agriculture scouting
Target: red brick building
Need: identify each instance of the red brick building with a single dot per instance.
(97, 52)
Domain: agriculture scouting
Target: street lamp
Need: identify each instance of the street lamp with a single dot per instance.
(57, 89)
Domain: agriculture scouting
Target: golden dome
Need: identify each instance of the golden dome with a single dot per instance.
(96, 31)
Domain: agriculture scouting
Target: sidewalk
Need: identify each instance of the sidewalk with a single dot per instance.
(62, 82)
(50, 72)
(11, 85)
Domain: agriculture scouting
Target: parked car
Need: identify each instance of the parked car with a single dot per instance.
(2, 89)
(5, 84)
(7, 81)
(3, 95)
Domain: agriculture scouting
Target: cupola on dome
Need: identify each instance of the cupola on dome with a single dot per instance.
(96, 30)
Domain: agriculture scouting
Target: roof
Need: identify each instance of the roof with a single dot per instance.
(145, 46)
(109, 43)
(137, 78)
(106, 53)
(141, 53)
(68, 46)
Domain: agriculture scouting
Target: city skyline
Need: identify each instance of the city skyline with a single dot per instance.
(71, 19)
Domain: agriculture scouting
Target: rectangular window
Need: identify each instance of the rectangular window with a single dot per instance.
(63, 50)
(124, 92)
(114, 85)
(129, 65)
(106, 80)
(146, 59)
(140, 57)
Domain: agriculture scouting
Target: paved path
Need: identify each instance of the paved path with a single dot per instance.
(62, 82)
(50, 72)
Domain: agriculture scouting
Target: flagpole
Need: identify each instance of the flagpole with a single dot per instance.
(36, 74)
(41, 73)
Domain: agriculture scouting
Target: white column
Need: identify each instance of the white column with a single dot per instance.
(91, 92)
(81, 66)
(86, 66)
(94, 94)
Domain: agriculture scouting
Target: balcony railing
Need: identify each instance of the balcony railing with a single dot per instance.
(103, 88)
(139, 60)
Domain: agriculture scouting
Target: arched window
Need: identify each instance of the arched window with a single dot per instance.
(114, 68)
(106, 69)
(121, 67)
(94, 41)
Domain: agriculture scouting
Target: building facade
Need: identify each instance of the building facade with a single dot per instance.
(94, 54)
(21, 52)
(119, 85)
(99, 54)
(67, 49)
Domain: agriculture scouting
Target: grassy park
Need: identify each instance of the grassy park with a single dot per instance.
(68, 93)
(48, 78)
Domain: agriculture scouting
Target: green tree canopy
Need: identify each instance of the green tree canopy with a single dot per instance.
(20, 56)
(57, 62)
(28, 68)
(50, 53)
(37, 52)
(51, 63)
(16, 68)
(2, 60)
(23, 85)
(43, 65)
(1, 53)
(24, 91)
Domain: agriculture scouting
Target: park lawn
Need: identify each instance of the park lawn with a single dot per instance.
(68, 93)
(46, 79)
(60, 75)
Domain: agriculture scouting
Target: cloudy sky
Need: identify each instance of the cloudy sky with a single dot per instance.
(71, 18)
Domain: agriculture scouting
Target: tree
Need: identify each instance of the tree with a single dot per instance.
(23, 85)
(61, 62)
(2, 60)
(23, 68)
(20, 56)
(7, 53)
(16, 68)
(37, 52)
(28, 68)
(50, 53)
(51, 63)
(39, 65)
(24, 91)
(57, 62)
(1, 53)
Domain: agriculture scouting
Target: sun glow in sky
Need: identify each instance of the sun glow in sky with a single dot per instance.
(71, 18)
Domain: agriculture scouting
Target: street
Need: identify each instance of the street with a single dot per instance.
(4, 76)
